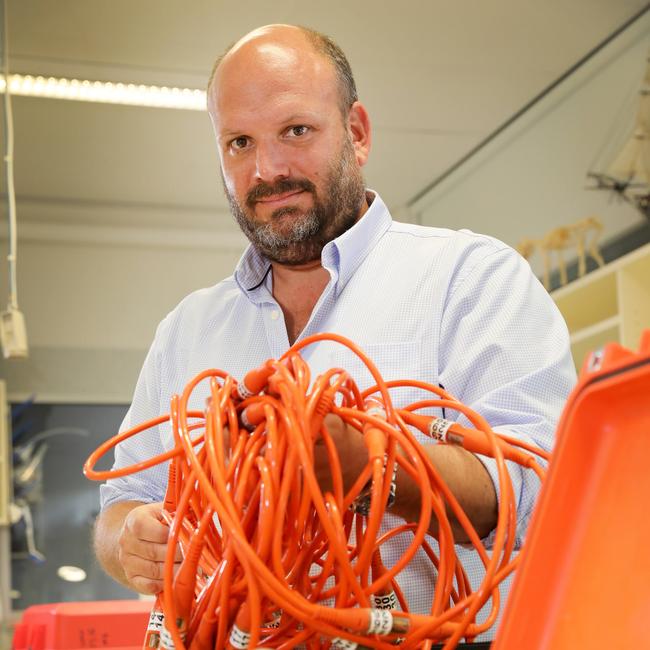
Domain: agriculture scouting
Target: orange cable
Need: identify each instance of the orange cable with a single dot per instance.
(289, 565)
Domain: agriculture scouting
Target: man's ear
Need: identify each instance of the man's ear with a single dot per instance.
(359, 129)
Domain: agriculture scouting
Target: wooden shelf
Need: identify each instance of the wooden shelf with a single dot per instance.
(609, 304)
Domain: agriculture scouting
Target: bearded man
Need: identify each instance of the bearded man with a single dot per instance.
(450, 308)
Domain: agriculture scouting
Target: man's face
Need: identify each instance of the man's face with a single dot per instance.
(296, 235)
(290, 168)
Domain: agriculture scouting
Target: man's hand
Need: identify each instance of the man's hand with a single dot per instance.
(462, 471)
(351, 449)
(131, 543)
(143, 548)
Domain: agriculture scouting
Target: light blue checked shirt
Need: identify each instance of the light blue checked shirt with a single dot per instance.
(452, 308)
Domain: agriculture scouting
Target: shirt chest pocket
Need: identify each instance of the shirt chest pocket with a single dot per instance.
(393, 361)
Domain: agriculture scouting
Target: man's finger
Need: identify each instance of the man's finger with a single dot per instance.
(146, 550)
(147, 527)
(146, 586)
(138, 567)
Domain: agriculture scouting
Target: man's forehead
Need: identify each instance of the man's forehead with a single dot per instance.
(268, 50)
(263, 54)
(273, 71)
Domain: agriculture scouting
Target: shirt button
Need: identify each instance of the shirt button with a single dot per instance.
(275, 314)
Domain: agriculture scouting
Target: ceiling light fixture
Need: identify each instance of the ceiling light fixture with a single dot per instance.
(71, 573)
(106, 92)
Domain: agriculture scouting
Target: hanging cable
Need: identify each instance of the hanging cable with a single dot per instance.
(12, 322)
(9, 164)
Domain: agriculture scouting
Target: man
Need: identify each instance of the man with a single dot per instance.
(458, 309)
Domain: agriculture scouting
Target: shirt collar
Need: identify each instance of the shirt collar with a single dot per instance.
(341, 257)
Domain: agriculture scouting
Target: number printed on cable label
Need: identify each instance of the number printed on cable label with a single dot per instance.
(381, 622)
(156, 619)
(388, 601)
(243, 391)
(438, 429)
(166, 641)
(239, 639)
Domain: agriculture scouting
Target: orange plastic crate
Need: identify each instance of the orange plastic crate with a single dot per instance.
(584, 581)
(110, 624)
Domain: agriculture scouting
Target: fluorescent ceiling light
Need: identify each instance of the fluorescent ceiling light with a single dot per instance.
(106, 92)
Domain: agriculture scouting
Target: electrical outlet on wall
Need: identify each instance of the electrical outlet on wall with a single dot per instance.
(13, 334)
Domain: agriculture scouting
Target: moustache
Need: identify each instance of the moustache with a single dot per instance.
(264, 190)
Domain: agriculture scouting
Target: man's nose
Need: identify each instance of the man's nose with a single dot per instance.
(271, 163)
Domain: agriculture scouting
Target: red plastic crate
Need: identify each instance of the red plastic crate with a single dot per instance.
(110, 624)
(584, 579)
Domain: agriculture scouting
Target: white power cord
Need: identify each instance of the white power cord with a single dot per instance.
(13, 334)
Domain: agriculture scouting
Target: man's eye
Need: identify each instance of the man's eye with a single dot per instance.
(239, 143)
(298, 130)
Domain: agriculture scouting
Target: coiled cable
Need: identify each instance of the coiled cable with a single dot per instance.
(269, 561)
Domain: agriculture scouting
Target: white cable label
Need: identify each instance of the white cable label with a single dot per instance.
(239, 639)
(388, 601)
(166, 641)
(156, 619)
(381, 622)
(438, 429)
(343, 644)
(377, 411)
(243, 391)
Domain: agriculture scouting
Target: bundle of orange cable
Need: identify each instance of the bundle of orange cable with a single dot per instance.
(269, 561)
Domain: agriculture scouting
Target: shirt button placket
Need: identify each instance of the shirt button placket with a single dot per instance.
(277, 332)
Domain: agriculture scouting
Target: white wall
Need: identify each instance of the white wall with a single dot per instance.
(94, 286)
(92, 297)
(532, 177)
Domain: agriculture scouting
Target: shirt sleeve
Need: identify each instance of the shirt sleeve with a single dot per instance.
(147, 485)
(505, 352)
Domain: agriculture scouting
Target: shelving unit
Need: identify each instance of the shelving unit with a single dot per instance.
(609, 304)
(5, 522)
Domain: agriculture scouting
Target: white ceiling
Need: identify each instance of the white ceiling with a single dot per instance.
(436, 75)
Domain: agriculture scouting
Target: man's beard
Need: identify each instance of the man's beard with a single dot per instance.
(302, 238)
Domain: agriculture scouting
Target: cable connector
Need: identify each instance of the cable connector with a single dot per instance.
(254, 382)
(13, 334)
(376, 442)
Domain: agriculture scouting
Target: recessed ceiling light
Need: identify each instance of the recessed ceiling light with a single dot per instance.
(106, 92)
(71, 573)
